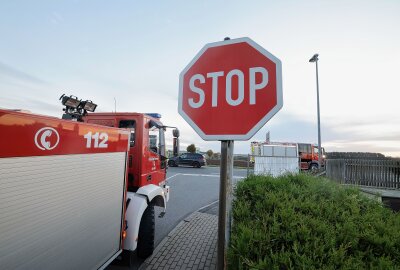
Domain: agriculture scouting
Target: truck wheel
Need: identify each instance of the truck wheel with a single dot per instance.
(314, 168)
(145, 245)
(126, 256)
(196, 164)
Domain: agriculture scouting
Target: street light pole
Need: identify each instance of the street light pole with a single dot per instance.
(315, 59)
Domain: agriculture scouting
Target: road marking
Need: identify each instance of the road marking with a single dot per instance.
(172, 176)
(209, 175)
(201, 208)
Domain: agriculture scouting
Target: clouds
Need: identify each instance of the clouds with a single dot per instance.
(21, 90)
(135, 51)
(10, 74)
(344, 134)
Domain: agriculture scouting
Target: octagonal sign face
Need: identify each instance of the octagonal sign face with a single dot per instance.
(230, 90)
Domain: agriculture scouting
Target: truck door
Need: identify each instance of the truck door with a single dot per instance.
(133, 165)
(154, 162)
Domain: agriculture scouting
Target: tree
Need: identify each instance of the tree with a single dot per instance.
(217, 155)
(210, 153)
(191, 148)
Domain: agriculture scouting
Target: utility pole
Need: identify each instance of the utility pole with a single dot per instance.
(312, 60)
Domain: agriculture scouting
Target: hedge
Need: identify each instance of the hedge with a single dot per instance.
(305, 222)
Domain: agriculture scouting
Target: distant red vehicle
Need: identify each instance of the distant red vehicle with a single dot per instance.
(308, 153)
(309, 156)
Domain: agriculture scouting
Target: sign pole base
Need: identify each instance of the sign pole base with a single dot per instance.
(225, 202)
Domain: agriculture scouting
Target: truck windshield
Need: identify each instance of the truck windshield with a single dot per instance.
(316, 150)
(304, 148)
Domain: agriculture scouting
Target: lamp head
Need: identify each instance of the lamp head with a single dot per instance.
(75, 108)
(314, 58)
(88, 105)
(71, 101)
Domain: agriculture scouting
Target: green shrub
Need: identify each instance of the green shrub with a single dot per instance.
(304, 222)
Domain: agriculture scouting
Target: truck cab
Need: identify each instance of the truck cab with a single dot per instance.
(146, 161)
(309, 156)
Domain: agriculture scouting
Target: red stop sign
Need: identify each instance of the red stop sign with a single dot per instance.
(230, 90)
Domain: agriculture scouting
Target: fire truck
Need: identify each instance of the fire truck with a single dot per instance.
(309, 156)
(80, 191)
(307, 152)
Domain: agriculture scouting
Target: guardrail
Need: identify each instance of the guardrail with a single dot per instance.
(236, 163)
(372, 173)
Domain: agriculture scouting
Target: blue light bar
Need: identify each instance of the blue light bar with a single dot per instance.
(155, 115)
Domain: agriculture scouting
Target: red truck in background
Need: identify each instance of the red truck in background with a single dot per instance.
(78, 192)
(307, 152)
(309, 156)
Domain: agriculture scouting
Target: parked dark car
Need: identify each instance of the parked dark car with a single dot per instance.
(188, 159)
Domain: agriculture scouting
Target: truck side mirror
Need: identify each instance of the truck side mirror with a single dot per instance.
(175, 133)
(154, 124)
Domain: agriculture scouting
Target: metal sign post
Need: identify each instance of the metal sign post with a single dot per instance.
(225, 202)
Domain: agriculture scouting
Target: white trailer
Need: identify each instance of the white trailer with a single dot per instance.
(276, 160)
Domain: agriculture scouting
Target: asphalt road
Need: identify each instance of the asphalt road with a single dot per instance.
(191, 189)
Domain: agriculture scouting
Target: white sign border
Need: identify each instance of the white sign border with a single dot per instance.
(263, 121)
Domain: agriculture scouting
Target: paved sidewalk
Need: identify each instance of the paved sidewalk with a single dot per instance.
(191, 245)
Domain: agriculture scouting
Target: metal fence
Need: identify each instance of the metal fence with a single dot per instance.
(372, 173)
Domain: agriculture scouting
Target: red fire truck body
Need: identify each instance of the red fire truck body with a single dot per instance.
(75, 195)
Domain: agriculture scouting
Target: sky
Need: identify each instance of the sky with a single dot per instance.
(133, 52)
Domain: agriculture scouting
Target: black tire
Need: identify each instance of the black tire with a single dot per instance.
(145, 245)
(196, 164)
(172, 163)
(313, 167)
(126, 256)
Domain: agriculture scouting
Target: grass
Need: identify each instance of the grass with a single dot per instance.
(304, 222)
